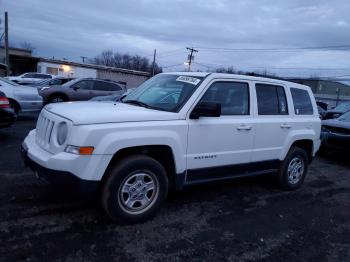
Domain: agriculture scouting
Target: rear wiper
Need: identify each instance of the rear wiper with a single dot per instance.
(136, 102)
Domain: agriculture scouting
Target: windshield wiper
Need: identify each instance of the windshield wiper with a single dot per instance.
(136, 102)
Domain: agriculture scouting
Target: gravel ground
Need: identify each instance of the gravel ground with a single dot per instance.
(242, 220)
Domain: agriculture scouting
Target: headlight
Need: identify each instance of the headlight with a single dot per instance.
(62, 133)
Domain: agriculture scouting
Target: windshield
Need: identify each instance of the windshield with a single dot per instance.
(42, 82)
(164, 92)
(343, 106)
(8, 81)
(345, 117)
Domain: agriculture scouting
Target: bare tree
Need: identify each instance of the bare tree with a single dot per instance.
(27, 46)
(135, 62)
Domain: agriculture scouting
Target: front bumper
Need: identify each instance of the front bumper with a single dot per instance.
(336, 141)
(58, 178)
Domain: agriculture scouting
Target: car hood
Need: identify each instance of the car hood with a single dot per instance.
(334, 111)
(91, 112)
(336, 123)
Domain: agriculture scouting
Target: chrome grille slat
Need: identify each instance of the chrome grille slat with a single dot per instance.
(44, 130)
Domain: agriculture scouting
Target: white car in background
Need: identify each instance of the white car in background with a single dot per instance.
(22, 98)
(29, 78)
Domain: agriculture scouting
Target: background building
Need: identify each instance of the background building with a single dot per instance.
(130, 78)
(21, 61)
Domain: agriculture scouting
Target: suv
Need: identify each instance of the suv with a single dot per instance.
(29, 78)
(175, 130)
(80, 89)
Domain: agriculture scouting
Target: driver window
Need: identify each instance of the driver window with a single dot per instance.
(233, 97)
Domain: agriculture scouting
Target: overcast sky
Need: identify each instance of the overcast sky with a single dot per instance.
(70, 29)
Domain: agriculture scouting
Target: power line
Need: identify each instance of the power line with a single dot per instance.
(272, 67)
(327, 48)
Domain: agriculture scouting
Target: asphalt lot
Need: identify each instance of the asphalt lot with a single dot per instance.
(243, 220)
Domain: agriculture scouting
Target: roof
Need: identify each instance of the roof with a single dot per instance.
(234, 76)
(92, 66)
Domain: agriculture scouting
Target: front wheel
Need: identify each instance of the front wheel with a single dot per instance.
(134, 189)
(294, 168)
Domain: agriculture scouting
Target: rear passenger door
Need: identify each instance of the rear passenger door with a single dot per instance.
(272, 122)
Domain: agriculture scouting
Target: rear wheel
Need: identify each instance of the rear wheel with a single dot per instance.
(57, 99)
(134, 189)
(294, 168)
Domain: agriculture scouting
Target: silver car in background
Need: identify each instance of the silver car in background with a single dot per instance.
(22, 98)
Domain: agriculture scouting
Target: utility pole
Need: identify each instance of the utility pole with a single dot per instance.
(190, 57)
(154, 62)
(7, 59)
(83, 58)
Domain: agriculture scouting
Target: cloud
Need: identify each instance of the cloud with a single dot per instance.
(73, 28)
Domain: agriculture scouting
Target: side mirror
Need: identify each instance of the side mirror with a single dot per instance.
(208, 109)
(75, 88)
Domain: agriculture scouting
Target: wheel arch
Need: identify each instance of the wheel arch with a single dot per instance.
(15, 102)
(305, 144)
(162, 153)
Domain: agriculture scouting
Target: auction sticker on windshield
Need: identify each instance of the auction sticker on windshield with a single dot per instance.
(188, 79)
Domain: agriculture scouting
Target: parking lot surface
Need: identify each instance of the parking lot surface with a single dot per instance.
(241, 220)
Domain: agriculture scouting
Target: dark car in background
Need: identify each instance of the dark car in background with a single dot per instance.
(51, 82)
(337, 111)
(336, 132)
(80, 89)
(7, 115)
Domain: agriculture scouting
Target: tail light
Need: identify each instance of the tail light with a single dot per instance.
(4, 102)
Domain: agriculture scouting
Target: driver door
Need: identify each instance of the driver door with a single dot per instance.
(217, 145)
(82, 90)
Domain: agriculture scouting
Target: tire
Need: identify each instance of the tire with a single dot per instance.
(127, 195)
(293, 169)
(57, 99)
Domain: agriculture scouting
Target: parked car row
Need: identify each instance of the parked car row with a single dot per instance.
(80, 89)
(29, 78)
(31, 97)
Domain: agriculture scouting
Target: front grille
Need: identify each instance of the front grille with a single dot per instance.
(44, 128)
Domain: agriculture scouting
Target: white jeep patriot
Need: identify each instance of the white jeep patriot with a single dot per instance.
(175, 130)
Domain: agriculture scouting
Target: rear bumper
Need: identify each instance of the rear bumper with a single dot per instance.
(58, 178)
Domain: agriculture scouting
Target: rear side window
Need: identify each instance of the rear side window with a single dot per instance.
(114, 87)
(42, 76)
(302, 102)
(233, 97)
(271, 100)
(105, 86)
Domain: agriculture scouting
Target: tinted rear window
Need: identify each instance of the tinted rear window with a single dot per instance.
(302, 102)
(271, 100)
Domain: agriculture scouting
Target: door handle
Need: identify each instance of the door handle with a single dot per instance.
(285, 125)
(244, 127)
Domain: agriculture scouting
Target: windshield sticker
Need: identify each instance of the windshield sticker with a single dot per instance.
(188, 79)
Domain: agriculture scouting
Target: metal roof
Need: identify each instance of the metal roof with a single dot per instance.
(92, 66)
